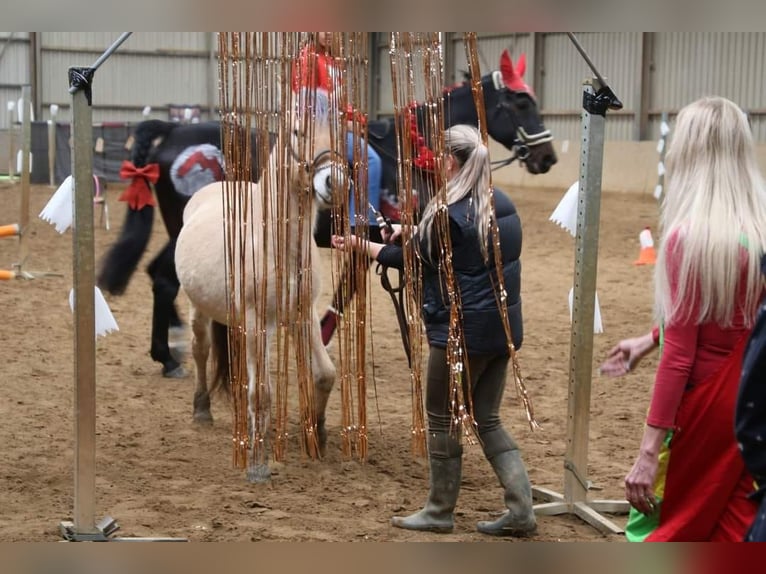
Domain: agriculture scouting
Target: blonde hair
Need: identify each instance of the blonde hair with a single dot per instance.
(464, 143)
(714, 204)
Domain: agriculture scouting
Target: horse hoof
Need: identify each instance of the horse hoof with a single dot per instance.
(322, 436)
(259, 473)
(203, 418)
(177, 373)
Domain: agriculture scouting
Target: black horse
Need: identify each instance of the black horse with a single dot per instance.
(188, 157)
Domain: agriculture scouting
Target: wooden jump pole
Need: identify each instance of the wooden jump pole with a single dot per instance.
(597, 99)
(84, 527)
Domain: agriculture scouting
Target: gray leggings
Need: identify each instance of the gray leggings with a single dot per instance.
(486, 385)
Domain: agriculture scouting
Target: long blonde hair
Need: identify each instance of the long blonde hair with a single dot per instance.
(715, 203)
(464, 143)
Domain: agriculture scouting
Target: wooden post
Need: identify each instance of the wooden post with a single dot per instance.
(574, 499)
(84, 309)
(26, 147)
(52, 146)
(11, 140)
(84, 526)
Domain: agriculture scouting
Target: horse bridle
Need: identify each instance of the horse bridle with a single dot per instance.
(315, 162)
(524, 141)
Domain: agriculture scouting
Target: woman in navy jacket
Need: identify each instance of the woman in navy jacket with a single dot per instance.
(473, 264)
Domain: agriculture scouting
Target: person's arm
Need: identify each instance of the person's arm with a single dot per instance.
(372, 248)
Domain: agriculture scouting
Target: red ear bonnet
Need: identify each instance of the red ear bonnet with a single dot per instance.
(521, 65)
(513, 77)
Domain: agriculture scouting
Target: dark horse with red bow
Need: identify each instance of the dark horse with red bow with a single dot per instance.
(188, 157)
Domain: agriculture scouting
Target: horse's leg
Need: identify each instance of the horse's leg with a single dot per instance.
(324, 379)
(165, 286)
(259, 414)
(343, 294)
(347, 288)
(200, 351)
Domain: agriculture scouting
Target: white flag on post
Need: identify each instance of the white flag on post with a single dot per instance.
(598, 326)
(58, 210)
(565, 214)
(105, 322)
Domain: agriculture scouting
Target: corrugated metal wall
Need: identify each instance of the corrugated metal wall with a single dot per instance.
(689, 65)
(160, 68)
(670, 68)
(489, 47)
(150, 69)
(618, 58)
(14, 70)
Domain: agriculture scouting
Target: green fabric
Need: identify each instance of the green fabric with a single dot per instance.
(639, 525)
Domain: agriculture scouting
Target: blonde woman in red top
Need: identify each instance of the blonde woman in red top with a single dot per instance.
(688, 482)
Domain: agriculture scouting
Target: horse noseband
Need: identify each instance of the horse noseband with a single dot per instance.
(322, 174)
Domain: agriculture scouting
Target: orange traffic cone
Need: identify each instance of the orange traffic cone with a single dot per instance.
(647, 255)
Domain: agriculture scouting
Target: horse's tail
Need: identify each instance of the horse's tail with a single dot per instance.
(219, 350)
(123, 257)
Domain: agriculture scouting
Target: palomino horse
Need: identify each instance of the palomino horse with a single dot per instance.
(200, 259)
(186, 160)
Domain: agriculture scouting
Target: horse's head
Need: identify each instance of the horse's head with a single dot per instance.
(513, 118)
(325, 167)
(312, 147)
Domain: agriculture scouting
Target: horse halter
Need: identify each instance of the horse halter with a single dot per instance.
(320, 170)
(523, 141)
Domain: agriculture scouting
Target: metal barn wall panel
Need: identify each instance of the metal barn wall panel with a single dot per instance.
(385, 85)
(130, 81)
(173, 42)
(568, 127)
(150, 68)
(14, 70)
(689, 65)
(490, 47)
(617, 55)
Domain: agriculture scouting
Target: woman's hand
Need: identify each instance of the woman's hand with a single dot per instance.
(390, 237)
(639, 484)
(342, 243)
(626, 355)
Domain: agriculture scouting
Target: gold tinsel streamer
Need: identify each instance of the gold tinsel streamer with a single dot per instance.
(349, 52)
(256, 98)
(500, 293)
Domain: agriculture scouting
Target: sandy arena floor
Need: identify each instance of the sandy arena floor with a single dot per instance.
(158, 474)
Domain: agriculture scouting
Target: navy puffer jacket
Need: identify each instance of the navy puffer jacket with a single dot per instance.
(476, 281)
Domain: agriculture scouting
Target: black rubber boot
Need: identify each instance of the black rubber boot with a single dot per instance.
(446, 460)
(519, 520)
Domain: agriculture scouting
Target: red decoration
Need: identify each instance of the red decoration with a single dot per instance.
(139, 194)
(513, 77)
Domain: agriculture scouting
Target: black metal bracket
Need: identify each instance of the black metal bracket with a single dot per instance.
(604, 99)
(80, 79)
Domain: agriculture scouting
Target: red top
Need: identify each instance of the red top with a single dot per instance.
(312, 70)
(692, 352)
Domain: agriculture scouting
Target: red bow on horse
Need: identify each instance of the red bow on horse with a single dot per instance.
(139, 194)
